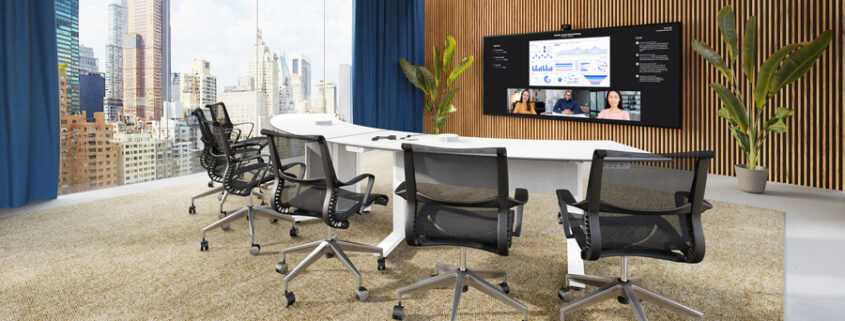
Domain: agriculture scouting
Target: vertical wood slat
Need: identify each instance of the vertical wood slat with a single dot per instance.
(810, 154)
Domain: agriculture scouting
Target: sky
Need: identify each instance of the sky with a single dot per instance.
(223, 32)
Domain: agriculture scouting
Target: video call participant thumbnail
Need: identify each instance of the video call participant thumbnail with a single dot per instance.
(525, 105)
(567, 105)
(614, 109)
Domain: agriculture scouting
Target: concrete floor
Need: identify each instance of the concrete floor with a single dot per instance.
(814, 249)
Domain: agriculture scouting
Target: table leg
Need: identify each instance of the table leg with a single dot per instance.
(399, 208)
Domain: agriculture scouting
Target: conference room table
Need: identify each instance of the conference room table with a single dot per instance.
(540, 166)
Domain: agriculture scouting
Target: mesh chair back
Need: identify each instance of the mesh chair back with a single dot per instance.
(457, 197)
(243, 170)
(648, 205)
(211, 159)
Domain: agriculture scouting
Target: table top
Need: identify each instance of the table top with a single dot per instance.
(361, 136)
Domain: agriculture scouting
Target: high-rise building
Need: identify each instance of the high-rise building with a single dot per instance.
(247, 106)
(113, 102)
(301, 66)
(67, 43)
(87, 62)
(344, 93)
(197, 88)
(264, 69)
(325, 98)
(286, 100)
(146, 59)
(92, 89)
(137, 160)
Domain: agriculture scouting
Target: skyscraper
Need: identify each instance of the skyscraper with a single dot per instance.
(286, 100)
(301, 66)
(344, 92)
(325, 101)
(87, 62)
(114, 60)
(67, 42)
(197, 88)
(146, 59)
(91, 84)
(264, 69)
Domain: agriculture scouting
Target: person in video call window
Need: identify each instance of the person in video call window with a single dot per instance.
(525, 105)
(614, 109)
(567, 105)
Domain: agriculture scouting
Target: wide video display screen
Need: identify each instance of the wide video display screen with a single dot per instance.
(628, 75)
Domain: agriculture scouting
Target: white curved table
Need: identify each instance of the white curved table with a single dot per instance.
(540, 166)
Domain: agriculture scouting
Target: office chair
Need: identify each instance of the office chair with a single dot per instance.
(459, 197)
(637, 204)
(216, 166)
(318, 192)
(243, 174)
(221, 116)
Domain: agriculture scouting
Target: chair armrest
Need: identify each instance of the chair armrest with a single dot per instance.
(564, 198)
(401, 190)
(254, 157)
(251, 127)
(520, 197)
(370, 180)
(289, 166)
(355, 179)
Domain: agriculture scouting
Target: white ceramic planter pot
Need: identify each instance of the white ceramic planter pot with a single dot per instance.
(751, 180)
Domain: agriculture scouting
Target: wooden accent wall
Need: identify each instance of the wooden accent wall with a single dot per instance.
(810, 154)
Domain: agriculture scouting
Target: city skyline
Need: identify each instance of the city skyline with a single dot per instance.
(196, 33)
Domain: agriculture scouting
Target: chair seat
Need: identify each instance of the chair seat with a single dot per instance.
(474, 227)
(641, 235)
(248, 177)
(309, 202)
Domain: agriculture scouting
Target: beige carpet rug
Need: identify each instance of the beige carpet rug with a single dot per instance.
(137, 257)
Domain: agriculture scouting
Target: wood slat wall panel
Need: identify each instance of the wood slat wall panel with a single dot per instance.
(810, 154)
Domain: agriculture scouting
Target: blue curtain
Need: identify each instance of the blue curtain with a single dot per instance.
(29, 102)
(384, 31)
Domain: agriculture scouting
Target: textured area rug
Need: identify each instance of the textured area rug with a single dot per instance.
(138, 257)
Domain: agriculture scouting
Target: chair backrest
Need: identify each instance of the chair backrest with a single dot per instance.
(457, 180)
(644, 204)
(210, 159)
(220, 115)
(288, 153)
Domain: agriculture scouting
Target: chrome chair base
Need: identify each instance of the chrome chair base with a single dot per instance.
(461, 277)
(250, 212)
(626, 290)
(329, 246)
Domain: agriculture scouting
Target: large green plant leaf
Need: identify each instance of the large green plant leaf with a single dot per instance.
(438, 66)
(749, 49)
(711, 56)
(448, 52)
(411, 73)
(427, 79)
(427, 104)
(727, 26)
(733, 104)
(741, 138)
(439, 121)
(764, 76)
(463, 65)
(724, 113)
(447, 99)
(799, 62)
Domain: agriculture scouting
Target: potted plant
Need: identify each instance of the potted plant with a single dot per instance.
(438, 97)
(781, 68)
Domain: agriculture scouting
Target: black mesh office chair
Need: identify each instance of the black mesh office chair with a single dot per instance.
(215, 166)
(243, 174)
(637, 204)
(221, 116)
(318, 192)
(460, 197)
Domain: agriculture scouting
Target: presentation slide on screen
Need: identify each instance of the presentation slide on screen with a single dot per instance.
(570, 62)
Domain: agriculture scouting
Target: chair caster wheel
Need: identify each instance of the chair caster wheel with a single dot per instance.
(274, 220)
(254, 249)
(263, 203)
(220, 196)
(329, 255)
(287, 299)
(204, 245)
(381, 265)
(559, 218)
(281, 267)
(210, 184)
(362, 294)
(564, 294)
(622, 299)
(294, 231)
(192, 209)
(398, 312)
(505, 288)
(465, 289)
